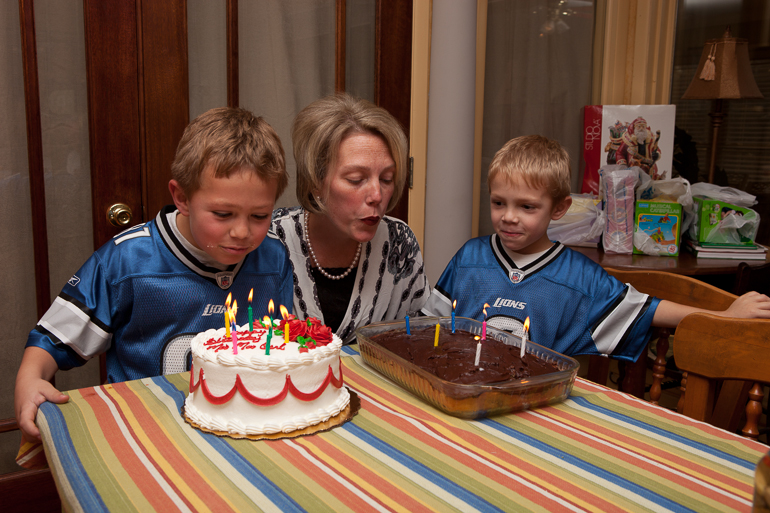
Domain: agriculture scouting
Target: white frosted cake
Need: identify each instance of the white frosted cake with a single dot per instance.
(297, 385)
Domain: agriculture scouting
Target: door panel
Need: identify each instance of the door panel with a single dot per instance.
(136, 56)
(113, 111)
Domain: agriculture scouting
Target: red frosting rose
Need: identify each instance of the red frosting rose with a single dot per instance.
(322, 335)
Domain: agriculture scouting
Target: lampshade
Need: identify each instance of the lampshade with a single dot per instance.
(732, 76)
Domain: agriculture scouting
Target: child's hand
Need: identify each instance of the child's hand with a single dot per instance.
(30, 394)
(749, 306)
(33, 388)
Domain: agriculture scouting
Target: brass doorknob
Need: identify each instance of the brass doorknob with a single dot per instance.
(119, 215)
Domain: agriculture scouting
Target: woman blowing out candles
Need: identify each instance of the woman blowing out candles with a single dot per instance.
(352, 264)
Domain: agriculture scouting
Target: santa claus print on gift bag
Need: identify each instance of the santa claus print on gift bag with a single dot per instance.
(628, 135)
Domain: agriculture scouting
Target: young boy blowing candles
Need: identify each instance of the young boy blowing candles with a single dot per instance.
(140, 296)
(574, 306)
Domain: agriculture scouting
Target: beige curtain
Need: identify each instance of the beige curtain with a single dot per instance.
(537, 79)
(286, 59)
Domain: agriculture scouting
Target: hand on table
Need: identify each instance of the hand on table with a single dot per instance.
(30, 394)
(751, 305)
(33, 388)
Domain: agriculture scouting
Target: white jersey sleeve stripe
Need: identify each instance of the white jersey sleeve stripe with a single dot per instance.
(613, 327)
(72, 323)
(438, 305)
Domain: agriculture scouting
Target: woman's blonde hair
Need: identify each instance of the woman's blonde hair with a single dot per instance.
(539, 161)
(318, 132)
(229, 139)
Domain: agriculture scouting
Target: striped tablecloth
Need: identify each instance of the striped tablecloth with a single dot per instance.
(125, 447)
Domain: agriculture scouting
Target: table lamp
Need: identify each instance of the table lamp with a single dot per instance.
(724, 73)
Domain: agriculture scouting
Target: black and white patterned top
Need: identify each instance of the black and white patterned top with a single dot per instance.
(390, 279)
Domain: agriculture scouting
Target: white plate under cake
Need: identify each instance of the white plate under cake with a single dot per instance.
(254, 393)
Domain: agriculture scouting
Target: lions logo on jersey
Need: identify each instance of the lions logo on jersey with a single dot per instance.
(74, 280)
(516, 275)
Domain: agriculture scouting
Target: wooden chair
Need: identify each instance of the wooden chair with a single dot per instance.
(672, 287)
(27, 490)
(752, 278)
(710, 348)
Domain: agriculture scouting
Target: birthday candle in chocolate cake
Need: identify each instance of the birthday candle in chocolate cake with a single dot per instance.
(524, 338)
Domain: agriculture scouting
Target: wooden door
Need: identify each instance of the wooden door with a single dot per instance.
(393, 71)
(138, 105)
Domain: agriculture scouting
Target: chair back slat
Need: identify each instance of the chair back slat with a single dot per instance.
(677, 288)
(711, 348)
(724, 348)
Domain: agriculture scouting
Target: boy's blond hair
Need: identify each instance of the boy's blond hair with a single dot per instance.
(229, 138)
(318, 132)
(539, 161)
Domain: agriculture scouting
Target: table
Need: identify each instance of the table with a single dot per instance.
(685, 263)
(125, 447)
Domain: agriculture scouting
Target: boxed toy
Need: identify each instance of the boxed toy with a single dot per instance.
(628, 135)
(656, 228)
(719, 222)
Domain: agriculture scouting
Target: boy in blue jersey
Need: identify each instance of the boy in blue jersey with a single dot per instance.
(574, 306)
(142, 296)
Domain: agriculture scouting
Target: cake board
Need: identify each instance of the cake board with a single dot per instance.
(345, 415)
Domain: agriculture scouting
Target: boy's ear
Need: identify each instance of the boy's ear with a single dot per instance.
(180, 198)
(561, 208)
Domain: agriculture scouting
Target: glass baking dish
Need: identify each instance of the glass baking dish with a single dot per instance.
(469, 401)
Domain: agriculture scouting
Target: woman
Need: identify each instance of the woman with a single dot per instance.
(352, 264)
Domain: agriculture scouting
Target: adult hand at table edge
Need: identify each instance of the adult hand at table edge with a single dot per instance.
(33, 388)
(751, 305)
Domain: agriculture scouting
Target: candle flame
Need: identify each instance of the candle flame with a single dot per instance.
(229, 298)
(232, 316)
(526, 324)
(454, 304)
(486, 305)
(271, 307)
(234, 309)
(266, 320)
(477, 337)
(251, 295)
(284, 312)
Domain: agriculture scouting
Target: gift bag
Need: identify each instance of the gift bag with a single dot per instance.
(582, 225)
(617, 192)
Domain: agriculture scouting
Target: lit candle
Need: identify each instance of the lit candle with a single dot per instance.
(251, 314)
(524, 338)
(478, 351)
(407, 325)
(484, 324)
(270, 310)
(435, 342)
(285, 315)
(235, 328)
(454, 304)
(227, 314)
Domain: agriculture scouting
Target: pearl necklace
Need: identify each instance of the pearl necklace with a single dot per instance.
(315, 260)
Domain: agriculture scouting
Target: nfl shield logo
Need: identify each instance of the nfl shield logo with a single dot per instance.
(224, 280)
(516, 276)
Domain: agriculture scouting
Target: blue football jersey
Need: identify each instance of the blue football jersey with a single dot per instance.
(143, 296)
(574, 306)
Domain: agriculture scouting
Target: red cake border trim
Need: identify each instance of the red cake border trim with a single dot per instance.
(259, 401)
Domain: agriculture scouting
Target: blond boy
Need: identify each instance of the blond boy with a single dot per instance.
(574, 306)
